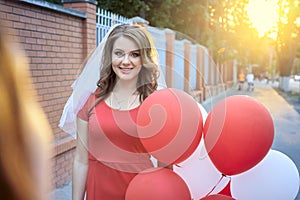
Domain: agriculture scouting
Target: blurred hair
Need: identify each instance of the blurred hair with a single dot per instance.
(22, 126)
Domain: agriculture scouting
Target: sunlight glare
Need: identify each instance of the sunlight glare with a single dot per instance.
(263, 15)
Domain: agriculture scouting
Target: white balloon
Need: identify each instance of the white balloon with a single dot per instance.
(275, 177)
(200, 175)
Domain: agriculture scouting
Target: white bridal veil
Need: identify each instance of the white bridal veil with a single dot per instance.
(84, 85)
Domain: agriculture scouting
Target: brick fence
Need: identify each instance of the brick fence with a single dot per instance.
(56, 39)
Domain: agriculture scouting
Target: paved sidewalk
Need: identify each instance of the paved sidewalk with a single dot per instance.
(62, 193)
(286, 121)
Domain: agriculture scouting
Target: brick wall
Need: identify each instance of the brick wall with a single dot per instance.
(56, 41)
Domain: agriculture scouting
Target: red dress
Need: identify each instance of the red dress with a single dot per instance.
(115, 153)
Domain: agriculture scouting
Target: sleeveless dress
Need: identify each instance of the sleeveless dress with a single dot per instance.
(115, 154)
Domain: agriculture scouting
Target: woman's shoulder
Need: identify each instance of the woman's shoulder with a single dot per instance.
(97, 92)
(93, 97)
(89, 100)
(89, 103)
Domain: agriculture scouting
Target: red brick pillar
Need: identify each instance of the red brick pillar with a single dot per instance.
(89, 24)
(224, 72)
(209, 86)
(187, 66)
(200, 78)
(170, 39)
(219, 76)
(198, 68)
(210, 68)
(231, 72)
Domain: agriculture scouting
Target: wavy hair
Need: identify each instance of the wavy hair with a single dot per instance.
(147, 79)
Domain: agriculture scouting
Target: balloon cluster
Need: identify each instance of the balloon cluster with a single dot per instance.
(225, 154)
(235, 156)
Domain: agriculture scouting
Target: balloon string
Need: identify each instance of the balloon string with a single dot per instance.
(223, 175)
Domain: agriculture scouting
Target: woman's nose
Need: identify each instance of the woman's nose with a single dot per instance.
(126, 59)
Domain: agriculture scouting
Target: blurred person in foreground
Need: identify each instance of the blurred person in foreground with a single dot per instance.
(25, 134)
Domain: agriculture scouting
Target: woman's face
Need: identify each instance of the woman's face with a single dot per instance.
(126, 59)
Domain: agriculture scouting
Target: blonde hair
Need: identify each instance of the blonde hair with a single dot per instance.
(18, 131)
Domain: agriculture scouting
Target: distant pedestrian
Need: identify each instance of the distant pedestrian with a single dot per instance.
(241, 80)
(267, 77)
(250, 81)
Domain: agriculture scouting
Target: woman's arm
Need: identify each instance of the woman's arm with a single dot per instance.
(80, 165)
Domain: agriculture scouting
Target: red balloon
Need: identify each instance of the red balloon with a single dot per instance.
(238, 133)
(158, 184)
(217, 197)
(226, 190)
(170, 125)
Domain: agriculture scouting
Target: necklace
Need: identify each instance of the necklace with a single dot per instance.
(123, 104)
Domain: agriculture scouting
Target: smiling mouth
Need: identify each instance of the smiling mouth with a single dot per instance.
(125, 70)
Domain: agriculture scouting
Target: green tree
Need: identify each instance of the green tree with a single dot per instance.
(161, 13)
(191, 17)
(296, 67)
(287, 39)
(287, 35)
(298, 51)
(130, 8)
(231, 28)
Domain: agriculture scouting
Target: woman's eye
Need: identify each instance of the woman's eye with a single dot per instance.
(119, 53)
(135, 54)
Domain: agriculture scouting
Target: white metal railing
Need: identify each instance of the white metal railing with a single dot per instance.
(106, 19)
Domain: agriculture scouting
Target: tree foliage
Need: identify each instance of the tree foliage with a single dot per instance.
(130, 8)
(288, 34)
(298, 51)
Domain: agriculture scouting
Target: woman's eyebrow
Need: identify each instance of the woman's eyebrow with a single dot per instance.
(135, 50)
(117, 49)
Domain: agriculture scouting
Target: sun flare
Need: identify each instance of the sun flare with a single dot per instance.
(263, 15)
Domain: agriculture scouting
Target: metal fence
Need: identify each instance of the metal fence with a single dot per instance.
(106, 19)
